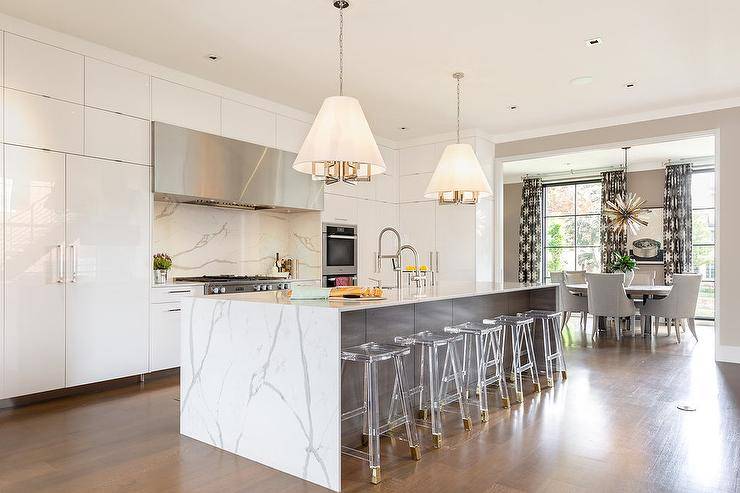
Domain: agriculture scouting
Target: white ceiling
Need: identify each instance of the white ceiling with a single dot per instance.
(400, 54)
(640, 157)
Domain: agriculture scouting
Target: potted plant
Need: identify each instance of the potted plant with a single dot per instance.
(628, 265)
(161, 264)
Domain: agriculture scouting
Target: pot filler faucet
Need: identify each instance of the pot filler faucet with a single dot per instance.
(396, 257)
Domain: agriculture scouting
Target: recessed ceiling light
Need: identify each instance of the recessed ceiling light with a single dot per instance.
(212, 57)
(403, 128)
(513, 107)
(629, 85)
(593, 41)
(582, 81)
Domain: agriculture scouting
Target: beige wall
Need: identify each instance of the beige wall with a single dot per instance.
(726, 124)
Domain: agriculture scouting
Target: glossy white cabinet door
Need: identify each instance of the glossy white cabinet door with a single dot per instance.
(244, 122)
(186, 107)
(386, 185)
(43, 69)
(339, 209)
(412, 187)
(44, 123)
(34, 295)
(372, 216)
(164, 339)
(290, 133)
(120, 137)
(418, 228)
(455, 242)
(118, 89)
(418, 159)
(108, 222)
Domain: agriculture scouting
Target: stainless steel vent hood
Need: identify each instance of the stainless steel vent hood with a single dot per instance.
(205, 169)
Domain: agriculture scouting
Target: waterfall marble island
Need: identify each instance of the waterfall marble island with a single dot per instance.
(260, 374)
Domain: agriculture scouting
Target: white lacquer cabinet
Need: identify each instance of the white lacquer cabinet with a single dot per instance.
(190, 108)
(290, 133)
(34, 356)
(244, 122)
(45, 123)
(418, 226)
(43, 69)
(115, 88)
(108, 287)
(455, 242)
(119, 137)
(373, 216)
(339, 209)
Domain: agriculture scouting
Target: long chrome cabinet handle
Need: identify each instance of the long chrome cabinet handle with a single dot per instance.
(437, 269)
(60, 263)
(73, 255)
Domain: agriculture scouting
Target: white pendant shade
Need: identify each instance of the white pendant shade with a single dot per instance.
(340, 134)
(458, 171)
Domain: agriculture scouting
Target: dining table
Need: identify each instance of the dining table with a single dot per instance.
(644, 291)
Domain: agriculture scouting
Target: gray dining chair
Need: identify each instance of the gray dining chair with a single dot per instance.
(570, 302)
(575, 277)
(607, 298)
(679, 305)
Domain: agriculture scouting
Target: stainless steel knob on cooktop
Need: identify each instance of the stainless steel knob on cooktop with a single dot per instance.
(214, 290)
(222, 290)
(257, 287)
(270, 287)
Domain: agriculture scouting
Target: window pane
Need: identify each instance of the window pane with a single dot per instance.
(589, 259)
(702, 226)
(702, 189)
(703, 259)
(560, 231)
(588, 198)
(588, 231)
(560, 200)
(560, 259)
(705, 303)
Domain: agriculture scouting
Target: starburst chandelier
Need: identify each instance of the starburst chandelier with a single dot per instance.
(623, 213)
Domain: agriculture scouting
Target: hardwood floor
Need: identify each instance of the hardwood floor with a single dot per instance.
(612, 426)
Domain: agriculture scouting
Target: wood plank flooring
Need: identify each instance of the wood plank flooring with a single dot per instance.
(612, 426)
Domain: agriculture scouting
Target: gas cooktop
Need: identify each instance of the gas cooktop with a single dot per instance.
(238, 284)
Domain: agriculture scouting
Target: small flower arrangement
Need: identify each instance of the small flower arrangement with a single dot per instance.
(162, 261)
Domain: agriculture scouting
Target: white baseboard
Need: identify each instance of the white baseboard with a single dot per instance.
(727, 354)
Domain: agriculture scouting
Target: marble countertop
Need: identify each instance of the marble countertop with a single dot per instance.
(394, 297)
(170, 284)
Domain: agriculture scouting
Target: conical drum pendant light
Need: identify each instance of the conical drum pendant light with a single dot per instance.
(459, 178)
(340, 145)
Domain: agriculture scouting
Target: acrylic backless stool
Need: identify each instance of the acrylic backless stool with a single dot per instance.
(551, 341)
(487, 352)
(371, 354)
(522, 346)
(430, 343)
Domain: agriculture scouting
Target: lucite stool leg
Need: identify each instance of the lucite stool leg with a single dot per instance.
(461, 396)
(547, 349)
(423, 410)
(481, 354)
(411, 432)
(434, 396)
(516, 336)
(559, 345)
(532, 358)
(497, 340)
(373, 419)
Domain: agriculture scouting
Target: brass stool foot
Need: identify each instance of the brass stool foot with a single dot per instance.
(468, 424)
(564, 375)
(520, 396)
(375, 475)
(423, 414)
(537, 387)
(437, 441)
(415, 452)
(505, 403)
(550, 382)
(484, 416)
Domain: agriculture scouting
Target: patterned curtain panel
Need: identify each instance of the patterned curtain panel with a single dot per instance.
(530, 231)
(613, 185)
(677, 220)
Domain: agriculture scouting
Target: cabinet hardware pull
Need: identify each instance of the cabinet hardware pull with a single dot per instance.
(180, 291)
(342, 237)
(73, 255)
(60, 266)
(174, 309)
(437, 262)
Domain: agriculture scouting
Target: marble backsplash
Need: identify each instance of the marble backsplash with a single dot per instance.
(209, 240)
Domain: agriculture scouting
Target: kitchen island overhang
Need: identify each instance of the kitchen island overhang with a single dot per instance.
(260, 374)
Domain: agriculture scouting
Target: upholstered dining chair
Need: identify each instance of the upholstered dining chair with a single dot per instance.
(570, 302)
(607, 298)
(679, 305)
(575, 277)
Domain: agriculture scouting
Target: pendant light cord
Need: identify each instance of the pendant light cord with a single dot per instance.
(341, 48)
(458, 110)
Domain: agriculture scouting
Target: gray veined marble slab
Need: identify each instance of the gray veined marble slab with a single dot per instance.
(262, 381)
